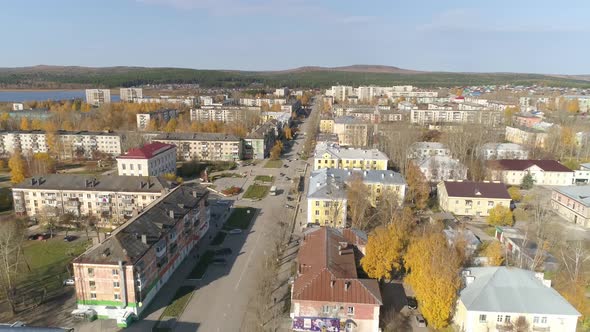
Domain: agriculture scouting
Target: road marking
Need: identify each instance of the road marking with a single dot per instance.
(247, 262)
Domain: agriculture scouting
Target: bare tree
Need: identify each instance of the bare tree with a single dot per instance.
(359, 201)
(12, 234)
(573, 256)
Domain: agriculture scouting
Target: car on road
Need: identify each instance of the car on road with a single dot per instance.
(235, 231)
(219, 261)
(420, 321)
(69, 238)
(223, 252)
(69, 282)
(289, 206)
(412, 303)
(285, 166)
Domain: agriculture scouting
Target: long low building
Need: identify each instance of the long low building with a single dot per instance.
(452, 115)
(467, 198)
(109, 197)
(204, 146)
(543, 172)
(119, 277)
(572, 203)
(332, 156)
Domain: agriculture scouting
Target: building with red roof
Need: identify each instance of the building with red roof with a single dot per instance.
(467, 198)
(153, 159)
(544, 172)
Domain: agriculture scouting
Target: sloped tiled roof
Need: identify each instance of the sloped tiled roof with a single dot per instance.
(328, 271)
(521, 165)
(476, 189)
(147, 151)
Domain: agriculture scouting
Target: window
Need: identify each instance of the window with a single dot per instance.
(500, 319)
(116, 284)
(131, 166)
(326, 212)
(536, 320)
(544, 320)
(139, 167)
(115, 272)
(117, 296)
(317, 203)
(123, 166)
(317, 212)
(92, 283)
(91, 272)
(325, 309)
(93, 296)
(350, 310)
(507, 319)
(482, 318)
(490, 203)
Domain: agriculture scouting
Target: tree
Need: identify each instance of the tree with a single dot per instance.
(386, 246)
(527, 182)
(68, 221)
(359, 201)
(17, 168)
(434, 269)
(12, 234)
(41, 163)
(573, 106)
(573, 277)
(48, 218)
(24, 124)
(288, 133)
(494, 252)
(276, 107)
(418, 189)
(275, 152)
(515, 194)
(500, 216)
(509, 113)
(171, 126)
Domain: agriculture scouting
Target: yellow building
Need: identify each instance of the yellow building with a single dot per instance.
(327, 156)
(327, 197)
(466, 198)
(327, 125)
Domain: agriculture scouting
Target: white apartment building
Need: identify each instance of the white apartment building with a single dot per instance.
(222, 113)
(153, 159)
(445, 114)
(162, 116)
(130, 94)
(544, 172)
(189, 100)
(70, 144)
(330, 156)
(109, 197)
(97, 97)
(18, 106)
(281, 92)
(441, 168)
(204, 146)
(526, 136)
(421, 150)
(495, 298)
(260, 101)
(491, 151)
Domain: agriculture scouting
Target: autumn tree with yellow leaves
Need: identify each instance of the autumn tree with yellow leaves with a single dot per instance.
(500, 216)
(359, 201)
(494, 252)
(434, 274)
(275, 152)
(418, 189)
(18, 169)
(24, 124)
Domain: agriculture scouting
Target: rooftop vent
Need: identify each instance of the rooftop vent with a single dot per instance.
(346, 285)
(171, 213)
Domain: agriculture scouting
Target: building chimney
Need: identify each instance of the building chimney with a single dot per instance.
(346, 285)
(171, 213)
(144, 238)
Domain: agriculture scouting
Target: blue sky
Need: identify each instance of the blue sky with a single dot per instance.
(444, 35)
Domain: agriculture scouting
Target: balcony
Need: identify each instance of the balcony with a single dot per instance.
(161, 250)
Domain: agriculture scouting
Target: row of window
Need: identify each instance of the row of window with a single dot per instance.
(506, 319)
(326, 309)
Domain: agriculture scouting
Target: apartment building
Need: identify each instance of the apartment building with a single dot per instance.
(420, 150)
(526, 136)
(340, 92)
(492, 151)
(97, 97)
(353, 132)
(204, 146)
(281, 92)
(331, 156)
(258, 102)
(161, 116)
(188, 100)
(69, 144)
(583, 101)
(153, 159)
(441, 168)
(223, 113)
(119, 277)
(327, 194)
(261, 140)
(130, 94)
(110, 198)
(452, 115)
(526, 120)
(327, 124)
(497, 298)
(544, 172)
(467, 198)
(327, 293)
(572, 203)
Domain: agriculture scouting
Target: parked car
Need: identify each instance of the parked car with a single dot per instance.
(420, 321)
(69, 282)
(219, 261)
(235, 231)
(412, 303)
(223, 251)
(69, 238)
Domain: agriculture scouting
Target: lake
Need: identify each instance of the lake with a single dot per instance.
(42, 95)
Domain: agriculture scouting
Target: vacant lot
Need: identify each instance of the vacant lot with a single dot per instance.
(256, 191)
(241, 217)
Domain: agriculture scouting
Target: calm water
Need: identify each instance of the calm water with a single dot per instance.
(21, 96)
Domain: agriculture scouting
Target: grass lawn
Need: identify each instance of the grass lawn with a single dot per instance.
(219, 238)
(256, 191)
(273, 164)
(199, 271)
(263, 178)
(491, 231)
(240, 218)
(179, 302)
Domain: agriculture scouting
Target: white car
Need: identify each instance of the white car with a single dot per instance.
(69, 282)
(235, 231)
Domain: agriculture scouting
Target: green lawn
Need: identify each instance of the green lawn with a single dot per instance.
(273, 164)
(219, 238)
(256, 191)
(263, 178)
(240, 218)
(179, 302)
(199, 271)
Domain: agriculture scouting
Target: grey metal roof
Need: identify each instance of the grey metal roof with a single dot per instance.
(330, 182)
(580, 194)
(512, 290)
(350, 153)
(196, 137)
(90, 182)
(125, 244)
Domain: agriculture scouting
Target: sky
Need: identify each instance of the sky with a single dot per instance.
(433, 35)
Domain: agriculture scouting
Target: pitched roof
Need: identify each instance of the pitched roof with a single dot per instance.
(328, 271)
(330, 182)
(476, 189)
(580, 194)
(125, 244)
(513, 290)
(521, 165)
(147, 151)
(91, 182)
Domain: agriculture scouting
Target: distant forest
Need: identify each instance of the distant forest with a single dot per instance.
(80, 77)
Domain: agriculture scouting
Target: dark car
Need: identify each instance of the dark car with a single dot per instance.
(412, 303)
(219, 261)
(69, 238)
(223, 252)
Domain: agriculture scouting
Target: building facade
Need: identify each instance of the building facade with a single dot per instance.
(204, 146)
(466, 198)
(97, 97)
(544, 172)
(572, 203)
(452, 115)
(491, 151)
(119, 277)
(353, 132)
(161, 116)
(261, 140)
(153, 159)
(441, 168)
(130, 94)
(326, 156)
(421, 150)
